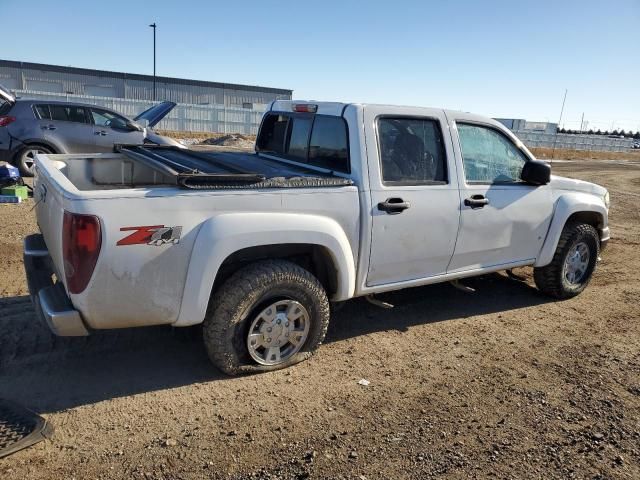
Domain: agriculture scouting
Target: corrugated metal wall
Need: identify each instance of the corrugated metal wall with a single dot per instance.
(202, 106)
(575, 142)
(183, 118)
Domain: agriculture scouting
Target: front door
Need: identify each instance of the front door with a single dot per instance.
(503, 220)
(110, 129)
(414, 195)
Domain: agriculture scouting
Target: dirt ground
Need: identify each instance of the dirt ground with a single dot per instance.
(501, 383)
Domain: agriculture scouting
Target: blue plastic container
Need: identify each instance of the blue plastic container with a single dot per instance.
(9, 175)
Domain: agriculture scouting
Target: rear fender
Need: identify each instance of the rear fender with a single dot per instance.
(567, 205)
(225, 234)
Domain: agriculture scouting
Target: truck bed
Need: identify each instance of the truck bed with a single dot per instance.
(148, 166)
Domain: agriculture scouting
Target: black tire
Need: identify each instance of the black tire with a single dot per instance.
(238, 301)
(24, 160)
(551, 280)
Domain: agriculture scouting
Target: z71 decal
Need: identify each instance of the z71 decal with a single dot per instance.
(152, 235)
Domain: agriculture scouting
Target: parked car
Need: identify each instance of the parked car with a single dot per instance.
(635, 145)
(339, 201)
(29, 127)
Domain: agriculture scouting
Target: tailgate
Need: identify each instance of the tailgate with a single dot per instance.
(49, 215)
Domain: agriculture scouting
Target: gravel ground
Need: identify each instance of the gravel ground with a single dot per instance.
(500, 383)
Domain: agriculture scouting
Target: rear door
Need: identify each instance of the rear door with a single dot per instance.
(68, 125)
(110, 128)
(414, 194)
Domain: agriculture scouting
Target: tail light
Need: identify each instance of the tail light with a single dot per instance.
(81, 242)
(6, 120)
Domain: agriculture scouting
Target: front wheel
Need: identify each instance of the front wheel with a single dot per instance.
(573, 263)
(266, 316)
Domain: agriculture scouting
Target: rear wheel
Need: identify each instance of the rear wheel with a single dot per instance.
(26, 158)
(267, 316)
(573, 263)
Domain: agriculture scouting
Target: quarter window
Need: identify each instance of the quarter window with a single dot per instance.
(489, 156)
(68, 113)
(411, 151)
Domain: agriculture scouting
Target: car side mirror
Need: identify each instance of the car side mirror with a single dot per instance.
(536, 172)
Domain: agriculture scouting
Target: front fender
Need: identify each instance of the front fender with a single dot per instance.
(567, 205)
(225, 234)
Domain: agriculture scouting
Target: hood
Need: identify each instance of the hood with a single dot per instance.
(156, 113)
(7, 96)
(564, 183)
(153, 137)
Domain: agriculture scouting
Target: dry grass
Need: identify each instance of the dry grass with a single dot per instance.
(584, 154)
(195, 135)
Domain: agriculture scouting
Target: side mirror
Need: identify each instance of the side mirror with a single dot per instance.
(536, 172)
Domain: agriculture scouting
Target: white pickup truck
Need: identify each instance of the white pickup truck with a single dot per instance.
(338, 201)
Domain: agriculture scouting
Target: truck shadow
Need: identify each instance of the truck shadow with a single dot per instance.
(49, 374)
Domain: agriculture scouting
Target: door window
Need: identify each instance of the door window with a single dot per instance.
(411, 151)
(488, 155)
(104, 118)
(42, 112)
(68, 113)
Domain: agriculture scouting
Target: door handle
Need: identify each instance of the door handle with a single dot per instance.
(102, 133)
(48, 127)
(393, 206)
(476, 201)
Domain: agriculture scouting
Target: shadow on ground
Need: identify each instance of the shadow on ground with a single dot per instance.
(48, 373)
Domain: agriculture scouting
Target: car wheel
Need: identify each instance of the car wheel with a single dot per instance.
(573, 263)
(26, 158)
(267, 316)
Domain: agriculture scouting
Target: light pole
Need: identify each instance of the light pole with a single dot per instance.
(153, 25)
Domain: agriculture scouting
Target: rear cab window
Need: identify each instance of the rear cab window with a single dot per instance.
(316, 140)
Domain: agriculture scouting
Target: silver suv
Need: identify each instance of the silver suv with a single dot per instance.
(29, 127)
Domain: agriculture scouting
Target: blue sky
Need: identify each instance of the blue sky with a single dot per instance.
(498, 58)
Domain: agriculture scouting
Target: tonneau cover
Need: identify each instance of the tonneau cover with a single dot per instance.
(228, 170)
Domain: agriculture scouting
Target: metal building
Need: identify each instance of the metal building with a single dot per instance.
(202, 105)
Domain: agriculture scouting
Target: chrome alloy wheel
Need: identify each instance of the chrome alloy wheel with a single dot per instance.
(29, 158)
(576, 263)
(278, 332)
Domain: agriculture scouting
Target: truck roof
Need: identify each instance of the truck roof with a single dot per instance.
(338, 108)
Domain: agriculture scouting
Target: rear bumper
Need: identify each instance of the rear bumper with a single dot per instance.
(50, 299)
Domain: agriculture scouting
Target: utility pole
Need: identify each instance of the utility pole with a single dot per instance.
(153, 25)
(553, 153)
(582, 122)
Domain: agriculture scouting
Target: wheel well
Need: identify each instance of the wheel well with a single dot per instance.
(314, 258)
(591, 218)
